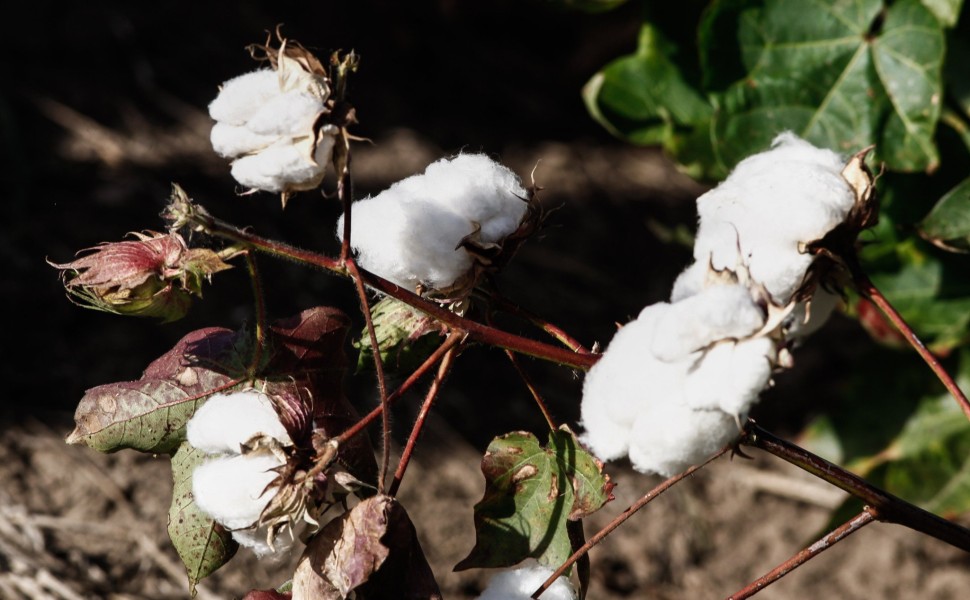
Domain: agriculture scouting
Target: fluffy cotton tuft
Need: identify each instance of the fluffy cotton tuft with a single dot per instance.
(770, 206)
(227, 421)
(518, 584)
(410, 233)
(266, 123)
(231, 486)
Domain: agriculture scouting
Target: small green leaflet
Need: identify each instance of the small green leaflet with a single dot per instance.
(531, 493)
(948, 224)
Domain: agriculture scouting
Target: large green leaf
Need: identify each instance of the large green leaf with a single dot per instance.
(947, 11)
(201, 543)
(948, 224)
(531, 494)
(644, 97)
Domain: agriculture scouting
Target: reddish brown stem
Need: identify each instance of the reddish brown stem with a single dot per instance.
(620, 519)
(888, 508)
(553, 330)
(400, 391)
(260, 299)
(379, 368)
(833, 537)
(870, 291)
(443, 369)
(345, 191)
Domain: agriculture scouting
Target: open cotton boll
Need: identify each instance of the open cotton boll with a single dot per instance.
(289, 114)
(715, 313)
(232, 489)
(230, 141)
(410, 233)
(242, 96)
(773, 202)
(808, 317)
(729, 376)
(279, 167)
(518, 584)
(668, 436)
(226, 421)
(614, 388)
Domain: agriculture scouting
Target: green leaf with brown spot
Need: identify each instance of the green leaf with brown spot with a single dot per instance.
(201, 543)
(531, 493)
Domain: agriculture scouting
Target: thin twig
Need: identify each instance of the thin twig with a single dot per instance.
(621, 518)
(833, 537)
(555, 331)
(379, 368)
(443, 369)
(345, 191)
(888, 508)
(871, 292)
(259, 341)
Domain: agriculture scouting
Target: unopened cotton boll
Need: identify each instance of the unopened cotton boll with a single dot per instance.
(411, 233)
(768, 208)
(518, 584)
(227, 421)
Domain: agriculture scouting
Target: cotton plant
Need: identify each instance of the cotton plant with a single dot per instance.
(675, 385)
(269, 453)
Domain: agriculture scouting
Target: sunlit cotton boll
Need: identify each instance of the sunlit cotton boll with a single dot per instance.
(768, 208)
(411, 232)
(518, 584)
(227, 421)
(668, 436)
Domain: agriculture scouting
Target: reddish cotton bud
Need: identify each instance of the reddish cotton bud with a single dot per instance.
(152, 276)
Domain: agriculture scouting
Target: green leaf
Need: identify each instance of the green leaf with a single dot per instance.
(948, 224)
(947, 11)
(644, 97)
(201, 543)
(841, 75)
(531, 494)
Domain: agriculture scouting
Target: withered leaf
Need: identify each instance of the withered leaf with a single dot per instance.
(371, 550)
(532, 492)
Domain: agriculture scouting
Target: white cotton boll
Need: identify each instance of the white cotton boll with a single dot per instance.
(255, 540)
(280, 167)
(411, 232)
(770, 205)
(690, 281)
(226, 421)
(241, 97)
(230, 141)
(232, 489)
(716, 313)
(668, 436)
(290, 114)
(729, 376)
(518, 584)
(614, 388)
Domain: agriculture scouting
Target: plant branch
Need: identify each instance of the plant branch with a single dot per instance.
(555, 331)
(443, 370)
(872, 293)
(379, 368)
(259, 341)
(345, 192)
(888, 508)
(621, 518)
(833, 537)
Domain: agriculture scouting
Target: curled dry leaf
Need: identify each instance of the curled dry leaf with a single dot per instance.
(371, 550)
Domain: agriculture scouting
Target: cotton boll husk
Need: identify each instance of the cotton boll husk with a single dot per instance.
(281, 167)
(291, 114)
(230, 141)
(242, 96)
(771, 203)
(226, 421)
(668, 436)
(718, 312)
(807, 318)
(614, 389)
(730, 375)
(232, 489)
(518, 584)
